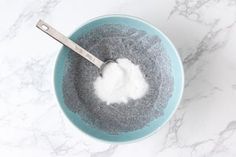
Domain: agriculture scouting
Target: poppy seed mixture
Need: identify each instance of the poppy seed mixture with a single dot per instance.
(126, 105)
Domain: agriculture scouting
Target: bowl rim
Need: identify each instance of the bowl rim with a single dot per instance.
(179, 61)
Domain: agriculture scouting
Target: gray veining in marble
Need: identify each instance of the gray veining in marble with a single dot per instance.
(204, 32)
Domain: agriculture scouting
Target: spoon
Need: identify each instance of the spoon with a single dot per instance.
(71, 44)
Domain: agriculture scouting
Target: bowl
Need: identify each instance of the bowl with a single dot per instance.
(106, 37)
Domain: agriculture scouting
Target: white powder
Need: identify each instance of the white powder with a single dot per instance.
(120, 81)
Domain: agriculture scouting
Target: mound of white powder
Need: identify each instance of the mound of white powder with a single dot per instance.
(120, 82)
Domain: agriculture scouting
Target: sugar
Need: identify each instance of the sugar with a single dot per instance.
(120, 82)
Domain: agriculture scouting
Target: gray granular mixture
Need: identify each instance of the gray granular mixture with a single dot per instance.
(112, 42)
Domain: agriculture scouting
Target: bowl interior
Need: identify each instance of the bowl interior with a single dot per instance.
(176, 72)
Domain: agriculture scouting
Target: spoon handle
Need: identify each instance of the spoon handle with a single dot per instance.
(69, 43)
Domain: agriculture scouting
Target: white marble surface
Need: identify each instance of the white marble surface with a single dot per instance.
(31, 122)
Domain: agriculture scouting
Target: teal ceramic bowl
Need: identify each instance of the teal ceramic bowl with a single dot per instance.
(176, 68)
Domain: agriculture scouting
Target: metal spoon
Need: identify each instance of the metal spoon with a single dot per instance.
(72, 45)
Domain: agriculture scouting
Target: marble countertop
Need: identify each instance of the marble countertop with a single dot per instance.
(31, 122)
